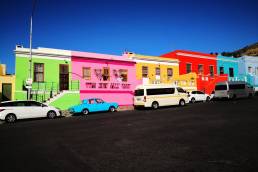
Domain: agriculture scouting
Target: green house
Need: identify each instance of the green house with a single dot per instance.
(50, 75)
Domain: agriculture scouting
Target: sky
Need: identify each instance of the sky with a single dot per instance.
(149, 27)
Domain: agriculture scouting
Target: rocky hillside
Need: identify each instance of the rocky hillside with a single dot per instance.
(250, 50)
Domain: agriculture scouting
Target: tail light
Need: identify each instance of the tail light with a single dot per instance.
(144, 98)
(2, 110)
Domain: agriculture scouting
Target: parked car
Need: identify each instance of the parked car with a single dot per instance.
(10, 111)
(233, 90)
(195, 96)
(154, 96)
(93, 105)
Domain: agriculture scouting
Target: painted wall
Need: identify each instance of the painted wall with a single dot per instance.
(113, 90)
(226, 63)
(51, 74)
(205, 82)
(6, 79)
(251, 77)
(187, 81)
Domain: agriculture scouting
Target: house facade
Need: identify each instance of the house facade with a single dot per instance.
(204, 65)
(109, 77)
(50, 76)
(7, 84)
(229, 66)
(248, 68)
(158, 70)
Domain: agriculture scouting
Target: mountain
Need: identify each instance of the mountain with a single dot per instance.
(250, 50)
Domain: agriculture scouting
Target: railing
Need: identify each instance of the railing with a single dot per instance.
(42, 91)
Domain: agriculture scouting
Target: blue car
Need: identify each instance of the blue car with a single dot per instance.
(93, 105)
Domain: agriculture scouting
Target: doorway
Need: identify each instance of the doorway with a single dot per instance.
(6, 92)
(63, 77)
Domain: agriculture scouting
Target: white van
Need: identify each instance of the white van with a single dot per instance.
(233, 89)
(155, 95)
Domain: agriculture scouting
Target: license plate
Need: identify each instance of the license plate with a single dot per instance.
(138, 99)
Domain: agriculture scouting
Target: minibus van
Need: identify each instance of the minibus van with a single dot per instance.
(233, 89)
(156, 95)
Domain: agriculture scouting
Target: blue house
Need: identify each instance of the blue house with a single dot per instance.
(248, 67)
(228, 65)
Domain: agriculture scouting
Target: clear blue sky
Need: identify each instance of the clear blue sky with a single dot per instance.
(151, 27)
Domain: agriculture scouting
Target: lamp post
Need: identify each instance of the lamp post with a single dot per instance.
(29, 80)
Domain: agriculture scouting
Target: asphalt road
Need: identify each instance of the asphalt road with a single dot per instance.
(219, 136)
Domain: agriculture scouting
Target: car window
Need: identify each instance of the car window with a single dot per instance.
(199, 92)
(20, 103)
(91, 101)
(180, 90)
(31, 103)
(7, 104)
(193, 92)
(99, 101)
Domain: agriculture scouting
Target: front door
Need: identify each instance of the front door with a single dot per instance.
(6, 92)
(63, 77)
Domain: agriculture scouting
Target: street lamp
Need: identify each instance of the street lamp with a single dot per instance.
(29, 80)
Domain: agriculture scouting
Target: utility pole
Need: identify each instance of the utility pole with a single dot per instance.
(29, 80)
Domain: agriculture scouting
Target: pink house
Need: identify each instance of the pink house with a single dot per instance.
(110, 77)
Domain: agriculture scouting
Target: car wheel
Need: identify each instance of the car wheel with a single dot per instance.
(193, 100)
(85, 111)
(155, 105)
(51, 114)
(208, 99)
(181, 103)
(10, 118)
(112, 109)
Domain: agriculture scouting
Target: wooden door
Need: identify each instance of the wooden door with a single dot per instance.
(63, 77)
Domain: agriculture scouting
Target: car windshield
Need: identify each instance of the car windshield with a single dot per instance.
(139, 92)
(221, 87)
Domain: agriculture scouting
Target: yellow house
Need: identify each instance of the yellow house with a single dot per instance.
(160, 70)
(7, 85)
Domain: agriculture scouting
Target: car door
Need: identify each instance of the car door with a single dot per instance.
(102, 105)
(201, 96)
(37, 110)
(21, 110)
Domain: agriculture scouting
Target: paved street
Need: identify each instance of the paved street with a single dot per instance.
(215, 136)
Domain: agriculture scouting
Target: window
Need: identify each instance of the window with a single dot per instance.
(221, 87)
(236, 86)
(212, 71)
(99, 101)
(188, 68)
(221, 70)
(106, 74)
(32, 103)
(139, 92)
(250, 69)
(91, 101)
(160, 91)
(199, 92)
(231, 72)
(86, 73)
(170, 73)
(38, 72)
(123, 75)
(157, 71)
(144, 71)
(180, 90)
(256, 71)
(200, 69)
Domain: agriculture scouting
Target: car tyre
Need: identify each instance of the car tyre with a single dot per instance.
(208, 99)
(51, 114)
(155, 105)
(10, 118)
(193, 100)
(85, 111)
(112, 109)
(181, 103)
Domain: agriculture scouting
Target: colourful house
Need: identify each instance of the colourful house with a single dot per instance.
(158, 70)
(248, 68)
(110, 77)
(229, 66)
(204, 65)
(51, 76)
(7, 84)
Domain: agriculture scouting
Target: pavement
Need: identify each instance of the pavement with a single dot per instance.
(215, 136)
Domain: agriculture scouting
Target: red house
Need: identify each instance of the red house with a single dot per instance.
(204, 65)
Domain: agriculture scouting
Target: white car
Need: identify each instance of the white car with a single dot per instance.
(10, 111)
(195, 96)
